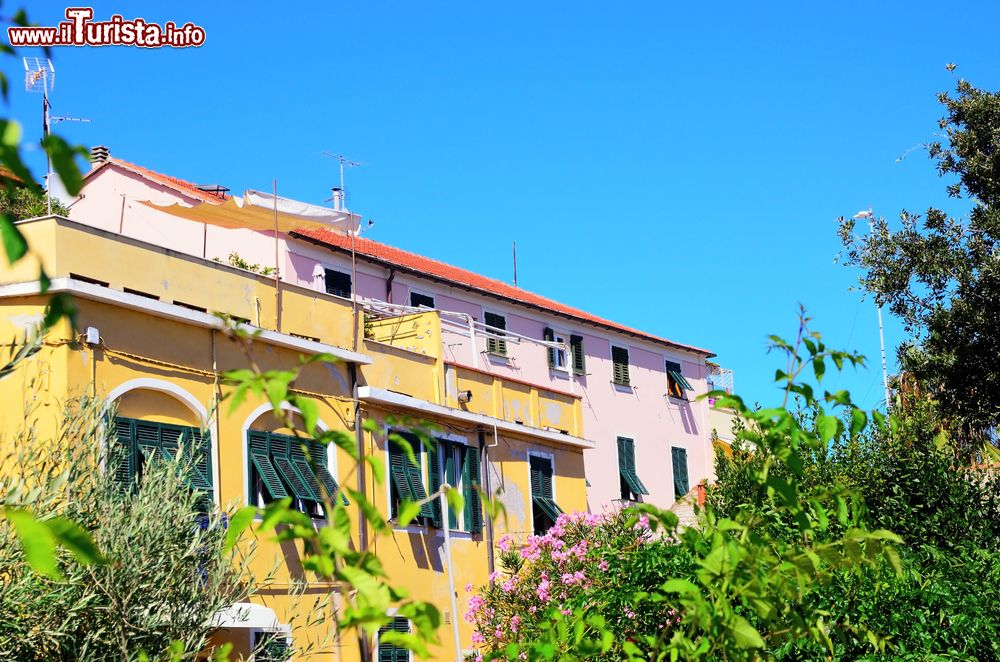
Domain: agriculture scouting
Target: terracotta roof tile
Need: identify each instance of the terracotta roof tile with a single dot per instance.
(417, 263)
(187, 188)
(464, 278)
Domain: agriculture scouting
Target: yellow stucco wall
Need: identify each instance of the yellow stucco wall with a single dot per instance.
(166, 370)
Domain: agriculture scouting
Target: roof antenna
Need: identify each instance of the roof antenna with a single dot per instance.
(515, 262)
(40, 76)
(339, 198)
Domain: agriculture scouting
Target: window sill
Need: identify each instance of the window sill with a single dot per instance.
(623, 387)
(498, 358)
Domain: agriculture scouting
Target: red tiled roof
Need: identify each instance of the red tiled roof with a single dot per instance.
(179, 185)
(419, 264)
(439, 270)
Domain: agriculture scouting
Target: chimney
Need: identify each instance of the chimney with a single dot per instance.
(338, 198)
(98, 155)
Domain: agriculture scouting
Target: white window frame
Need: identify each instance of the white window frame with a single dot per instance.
(559, 336)
(456, 439)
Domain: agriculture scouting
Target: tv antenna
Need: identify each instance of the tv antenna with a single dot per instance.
(339, 194)
(40, 76)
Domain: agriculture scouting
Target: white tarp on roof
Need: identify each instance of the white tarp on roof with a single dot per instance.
(342, 220)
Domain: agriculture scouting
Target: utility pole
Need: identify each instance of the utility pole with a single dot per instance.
(881, 333)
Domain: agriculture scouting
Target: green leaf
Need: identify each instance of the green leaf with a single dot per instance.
(456, 502)
(826, 428)
(408, 510)
(858, 421)
(310, 413)
(63, 155)
(73, 537)
(744, 634)
(37, 541)
(238, 523)
(14, 244)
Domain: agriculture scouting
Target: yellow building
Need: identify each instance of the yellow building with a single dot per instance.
(149, 342)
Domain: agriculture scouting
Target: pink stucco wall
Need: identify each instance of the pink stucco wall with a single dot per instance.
(642, 411)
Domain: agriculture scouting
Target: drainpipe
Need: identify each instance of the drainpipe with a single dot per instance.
(388, 285)
(359, 439)
(446, 525)
(485, 472)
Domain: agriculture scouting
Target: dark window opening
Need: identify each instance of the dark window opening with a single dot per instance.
(337, 283)
(418, 300)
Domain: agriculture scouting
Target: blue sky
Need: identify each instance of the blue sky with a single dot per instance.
(675, 167)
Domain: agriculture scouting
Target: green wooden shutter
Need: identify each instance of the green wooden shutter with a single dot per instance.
(632, 486)
(576, 349)
(680, 466)
(397, 474)
(338, 283)
(200, 446)
(434, 482)
(304, 466)
(498, 324)
(471, 480)
(290, 475)
(259, 447)
(619, 359)
(388, 652)
(548, 335)
(121, 460)
(318, 452)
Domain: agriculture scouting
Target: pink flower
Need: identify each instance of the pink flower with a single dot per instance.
(505, 543)
(468, 587)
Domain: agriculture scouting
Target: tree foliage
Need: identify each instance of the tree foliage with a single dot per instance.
(163, 572)
(940, 274)
(746, 587)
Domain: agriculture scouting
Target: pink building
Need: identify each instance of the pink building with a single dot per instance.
(653, 437)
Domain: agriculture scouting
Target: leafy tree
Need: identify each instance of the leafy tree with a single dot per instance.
(940, 274)
(164, 572)
(749, 587)
(946, 602)
(20, 202)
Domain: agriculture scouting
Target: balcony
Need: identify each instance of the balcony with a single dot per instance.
(69, 249)
(401, 342)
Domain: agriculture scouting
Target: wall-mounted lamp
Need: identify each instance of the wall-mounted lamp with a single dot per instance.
(465, 397)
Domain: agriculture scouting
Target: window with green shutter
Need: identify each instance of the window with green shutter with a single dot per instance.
(556, 355)
(270, 646)
(138, 442)
(406, 479)
(459, 464)
(619, 362)
(677, 385)
(544, 509)
(285, 466)
(338, 283)
(495, 324)
(387, 650)
(576, 350)
(682, 486)
(631, 486)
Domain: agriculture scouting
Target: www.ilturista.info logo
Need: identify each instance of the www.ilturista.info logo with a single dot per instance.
(79, 29)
